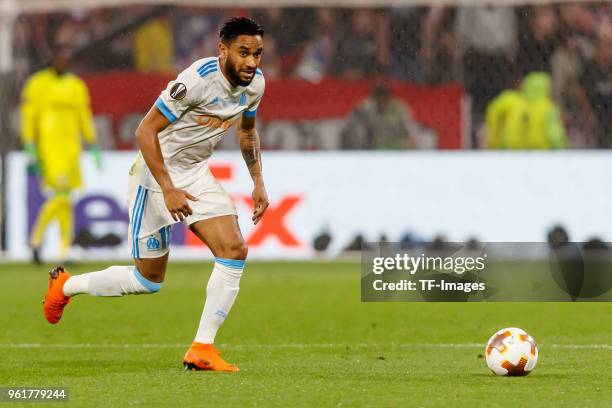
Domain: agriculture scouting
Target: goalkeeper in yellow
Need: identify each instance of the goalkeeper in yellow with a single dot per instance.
(55, 115)
(526, 119)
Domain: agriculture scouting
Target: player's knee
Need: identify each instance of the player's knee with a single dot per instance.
(235, 250)
(151, 271)
(239, 250)
(155, 275)
(145, 284)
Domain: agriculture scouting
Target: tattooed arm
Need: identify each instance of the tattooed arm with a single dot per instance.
(249, 145)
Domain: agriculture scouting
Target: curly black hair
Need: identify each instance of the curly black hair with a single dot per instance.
(236, 26)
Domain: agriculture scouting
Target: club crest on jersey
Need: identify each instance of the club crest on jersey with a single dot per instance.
(178, 91)
(153, 244)
(214, 122)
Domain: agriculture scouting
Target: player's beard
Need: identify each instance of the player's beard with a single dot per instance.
(234, 75)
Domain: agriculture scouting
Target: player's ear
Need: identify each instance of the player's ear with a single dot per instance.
(223, 50)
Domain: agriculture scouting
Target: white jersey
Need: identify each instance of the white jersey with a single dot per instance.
(201, 106)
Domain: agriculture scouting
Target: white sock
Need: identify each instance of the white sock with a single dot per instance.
(112, 281)
(221, 293)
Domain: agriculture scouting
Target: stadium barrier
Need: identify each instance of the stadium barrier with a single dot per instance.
(304, 111)
(504, 197)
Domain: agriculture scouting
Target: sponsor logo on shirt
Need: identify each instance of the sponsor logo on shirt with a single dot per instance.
(214, 122)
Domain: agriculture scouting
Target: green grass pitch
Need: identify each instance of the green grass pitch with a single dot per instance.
(301, 337)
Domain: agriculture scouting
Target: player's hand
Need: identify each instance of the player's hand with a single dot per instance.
(33, 162)
(260, 202)
(97, 156)
(176, 202)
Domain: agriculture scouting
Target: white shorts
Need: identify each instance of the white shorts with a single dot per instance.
(150, 221)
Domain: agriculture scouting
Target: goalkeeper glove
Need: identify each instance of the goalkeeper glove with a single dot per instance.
(97, 156)
(33, 162)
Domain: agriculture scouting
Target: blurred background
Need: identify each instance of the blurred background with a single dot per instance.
(400, 121)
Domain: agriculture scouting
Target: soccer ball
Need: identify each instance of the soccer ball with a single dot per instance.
(512, 352)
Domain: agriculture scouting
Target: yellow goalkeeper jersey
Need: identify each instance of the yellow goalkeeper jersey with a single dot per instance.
(500, 117)
(528, 119)
(55, 114)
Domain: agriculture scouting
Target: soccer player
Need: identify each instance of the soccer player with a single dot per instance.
(54, 114)
(170, 182)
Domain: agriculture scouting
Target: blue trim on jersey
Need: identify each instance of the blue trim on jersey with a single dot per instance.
(135, 221)
(169, 233)
(139, 222)
(208, 71)
(159, 103)
(135, 209)
(258, 72)
(162, 232)
(250, 114)
(230, 263)
(243, 99)
(144, 204)
(207, 65)
(151, 286)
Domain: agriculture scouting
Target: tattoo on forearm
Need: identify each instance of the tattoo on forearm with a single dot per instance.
(251, 153)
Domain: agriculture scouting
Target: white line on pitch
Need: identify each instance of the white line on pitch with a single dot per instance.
(285, 346)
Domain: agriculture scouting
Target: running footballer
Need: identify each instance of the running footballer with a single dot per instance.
(170, 182)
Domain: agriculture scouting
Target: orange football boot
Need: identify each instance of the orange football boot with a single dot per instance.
(202, 356)
(55, 300)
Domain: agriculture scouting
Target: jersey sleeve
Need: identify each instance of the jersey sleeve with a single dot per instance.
(85, 116)
(184, 92)
(29, 109)
(251, 111)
